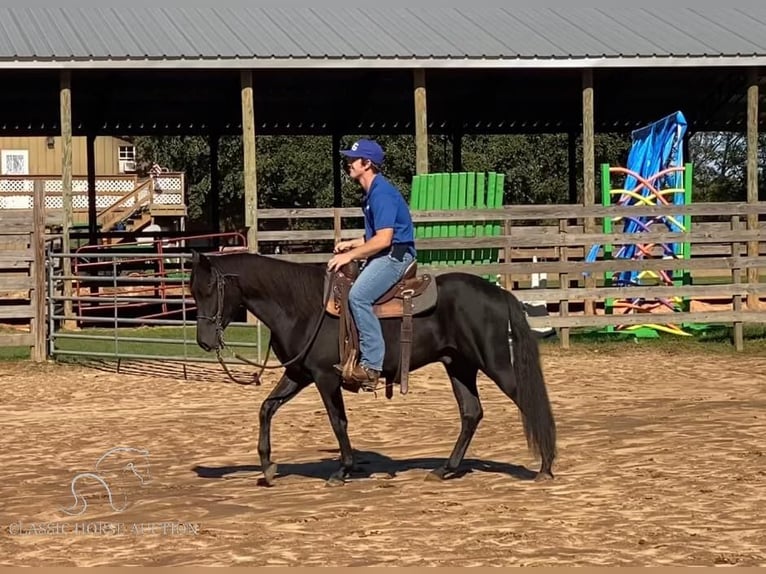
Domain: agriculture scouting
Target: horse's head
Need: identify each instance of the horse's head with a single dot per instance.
(217, 297)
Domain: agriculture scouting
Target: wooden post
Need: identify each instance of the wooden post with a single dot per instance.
(421, 122)
(753, 302)
(563, 284)
(65, 101)
(90, 153)
(248, 148)
(38, 274)
(506, 278)
(337, 225)
(572, 166)
(736, 277)
(589, 167)
(337, 184)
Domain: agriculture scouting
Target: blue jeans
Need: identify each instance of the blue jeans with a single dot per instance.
(377, 276)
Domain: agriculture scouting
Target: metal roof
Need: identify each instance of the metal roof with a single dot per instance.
(353, 34)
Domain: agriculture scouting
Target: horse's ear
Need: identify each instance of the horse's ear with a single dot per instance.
(200, 259)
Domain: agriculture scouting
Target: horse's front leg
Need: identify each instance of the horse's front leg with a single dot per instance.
(285, 390)
(332, 396)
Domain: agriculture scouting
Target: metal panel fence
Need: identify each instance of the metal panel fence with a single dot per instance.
(125, 311)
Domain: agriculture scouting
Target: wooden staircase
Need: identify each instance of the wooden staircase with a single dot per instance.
(133, 209)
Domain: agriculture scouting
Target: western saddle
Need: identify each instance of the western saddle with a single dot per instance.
(412, 295)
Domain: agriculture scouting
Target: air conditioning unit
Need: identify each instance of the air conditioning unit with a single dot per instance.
(127, 166)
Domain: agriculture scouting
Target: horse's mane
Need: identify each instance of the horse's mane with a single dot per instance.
(296, 287)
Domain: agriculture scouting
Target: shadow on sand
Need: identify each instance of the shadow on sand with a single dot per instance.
(368, 463)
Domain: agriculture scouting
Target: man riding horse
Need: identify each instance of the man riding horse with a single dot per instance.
(388, 246)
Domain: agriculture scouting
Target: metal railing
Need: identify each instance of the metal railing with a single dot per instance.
(114, 330)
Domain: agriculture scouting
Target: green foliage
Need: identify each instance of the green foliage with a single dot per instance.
(297, 171)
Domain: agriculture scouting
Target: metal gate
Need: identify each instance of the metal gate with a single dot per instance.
(131, 301)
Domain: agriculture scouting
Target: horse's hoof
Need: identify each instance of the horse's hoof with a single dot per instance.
(268, 475)
(438, 474)
(335, 481)
(543, 477)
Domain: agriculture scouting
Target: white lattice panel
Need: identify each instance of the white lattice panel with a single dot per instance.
(168, 183)
(55, 186)
(168, 198)
(17, 193)
(11, 185)
(105, 201)
(81, 201)
(80, 184)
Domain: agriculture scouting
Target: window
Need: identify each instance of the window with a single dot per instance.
(126, 156)
(127, 153)
(14, 162)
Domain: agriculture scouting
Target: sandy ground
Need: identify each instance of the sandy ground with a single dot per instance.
(661, 461)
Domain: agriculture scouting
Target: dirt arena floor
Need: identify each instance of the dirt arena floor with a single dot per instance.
(661, 461)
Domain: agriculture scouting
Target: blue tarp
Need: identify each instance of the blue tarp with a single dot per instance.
(655, 147)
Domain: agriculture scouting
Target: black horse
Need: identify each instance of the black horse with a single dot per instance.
(474, 326)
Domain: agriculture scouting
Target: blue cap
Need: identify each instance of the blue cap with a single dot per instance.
(366, 149)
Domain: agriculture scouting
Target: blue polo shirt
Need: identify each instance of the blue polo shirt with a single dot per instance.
(384, 206)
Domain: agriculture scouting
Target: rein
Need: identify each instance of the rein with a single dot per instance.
(220, 279)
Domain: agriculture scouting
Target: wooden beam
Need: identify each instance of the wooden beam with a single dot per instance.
(752, 176)
(248, 148)
(572, 166)
(337, 185)
(90, 154)
(16, 340)
(65, 102)
(527, 212)
(38, 274)
(589, 165)
(641, 318)
(421, 122)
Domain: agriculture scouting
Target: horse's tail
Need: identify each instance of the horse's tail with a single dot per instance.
(532, 396)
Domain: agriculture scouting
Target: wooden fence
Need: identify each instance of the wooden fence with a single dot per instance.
(718, 283)
(726, 256)
(22, 277)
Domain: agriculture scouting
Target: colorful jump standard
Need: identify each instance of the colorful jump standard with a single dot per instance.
(656, 175)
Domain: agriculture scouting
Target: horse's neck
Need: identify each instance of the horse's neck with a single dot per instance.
(269, 313)
(281, 313)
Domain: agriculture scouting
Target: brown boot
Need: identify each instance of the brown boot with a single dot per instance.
(365, 376)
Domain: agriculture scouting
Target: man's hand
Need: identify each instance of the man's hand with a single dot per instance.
(342, 246)
(339, 261)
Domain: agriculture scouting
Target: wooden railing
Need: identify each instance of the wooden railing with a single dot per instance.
(547, 245)
(138, 199)
(113, 195)
(22, 277)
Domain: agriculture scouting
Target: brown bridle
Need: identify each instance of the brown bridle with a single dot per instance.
(217, 319)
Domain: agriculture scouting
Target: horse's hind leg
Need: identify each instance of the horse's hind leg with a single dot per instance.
(505, 379)
(285, 390)
(463, 378)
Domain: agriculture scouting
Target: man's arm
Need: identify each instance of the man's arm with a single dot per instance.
(342, 246)
(381, 240)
